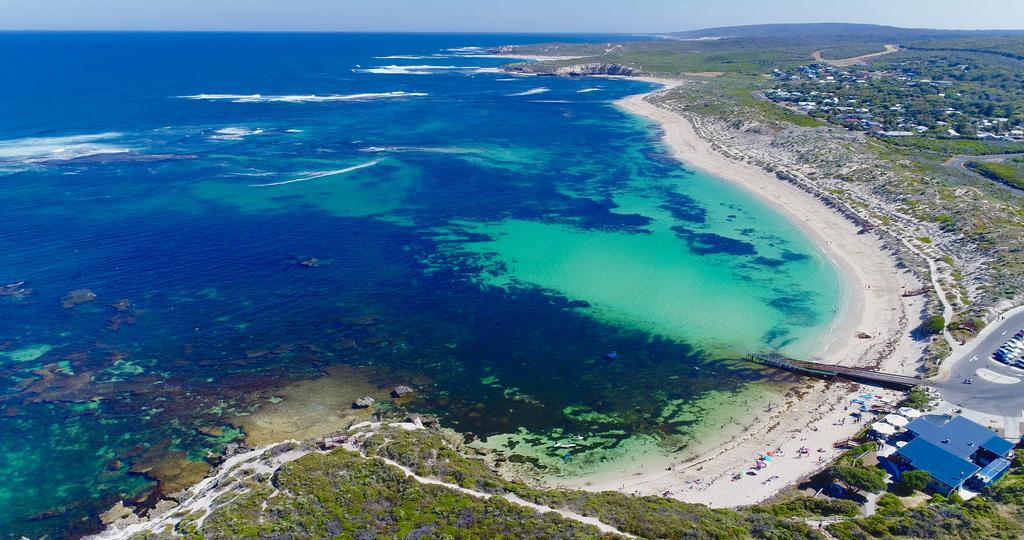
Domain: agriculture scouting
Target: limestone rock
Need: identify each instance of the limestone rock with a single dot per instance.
(401, 391)
(363, 402)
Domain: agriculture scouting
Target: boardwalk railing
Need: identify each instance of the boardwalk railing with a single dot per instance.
(830, 371)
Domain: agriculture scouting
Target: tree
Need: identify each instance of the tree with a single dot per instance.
(857, 478)
(934, 325)
(915, 480)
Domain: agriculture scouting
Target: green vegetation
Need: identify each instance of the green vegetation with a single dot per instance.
(808, 507)
(915, 480)
(1008, 46)
(343, 494)
(930, 96)
(917, 399)
(1010, 488)
(436, 454)
(939, 518)
(850, 471)
(955, 147)
(1010, 172)
(933, 325)
(858, 477)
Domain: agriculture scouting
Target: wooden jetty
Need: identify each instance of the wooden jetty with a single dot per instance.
(831, 371)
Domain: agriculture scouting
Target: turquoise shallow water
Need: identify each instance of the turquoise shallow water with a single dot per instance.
(240, 211)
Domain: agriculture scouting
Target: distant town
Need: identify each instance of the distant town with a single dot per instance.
(926, 98)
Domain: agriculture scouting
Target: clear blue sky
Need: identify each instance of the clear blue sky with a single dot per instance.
(496, 15)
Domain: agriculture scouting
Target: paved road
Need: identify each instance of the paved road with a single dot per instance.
(847, 62)
(1004, 393)
(960, 162)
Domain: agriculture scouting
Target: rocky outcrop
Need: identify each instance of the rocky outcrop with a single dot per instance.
(574, 70)
(401, 391)
(363, 402)
(597, 68)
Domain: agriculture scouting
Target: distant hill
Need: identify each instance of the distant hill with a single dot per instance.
(836, 31)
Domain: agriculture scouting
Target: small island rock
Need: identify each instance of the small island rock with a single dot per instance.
(363, 402)
(401, 391)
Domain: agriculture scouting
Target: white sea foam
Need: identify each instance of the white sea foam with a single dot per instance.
(531, 92)
(412, 70)
(44, 149)
(321, 174)
(421, 149)
(234, 133)
(586, 90)
(259, 98)
(411, 57)
(550, 101)
(464, 49)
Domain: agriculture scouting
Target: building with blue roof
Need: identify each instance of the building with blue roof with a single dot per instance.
(953, 451)
(962, 437)
(948, 470)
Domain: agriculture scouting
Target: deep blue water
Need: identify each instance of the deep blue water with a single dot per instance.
(186, 219)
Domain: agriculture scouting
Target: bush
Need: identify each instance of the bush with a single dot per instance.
(933, 325)
(858, 478)
(912, 481)
(917, 399)
(803, 507)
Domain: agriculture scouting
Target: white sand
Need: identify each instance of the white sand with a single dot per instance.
(872, 305)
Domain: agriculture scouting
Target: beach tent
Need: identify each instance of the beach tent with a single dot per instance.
(896, 420)
(909, 412)
(883, 428)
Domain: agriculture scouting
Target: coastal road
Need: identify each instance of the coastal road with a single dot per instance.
(960, 163)
(847, 62)
(996, 388)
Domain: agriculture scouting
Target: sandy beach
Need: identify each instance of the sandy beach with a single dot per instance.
(818, 415)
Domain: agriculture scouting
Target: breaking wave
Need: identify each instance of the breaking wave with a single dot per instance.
(321, 174)
(47, 149)
(259, 98)
(234, 133)
(586, 90)
(531, 92)
(411, 70)
(420, 149)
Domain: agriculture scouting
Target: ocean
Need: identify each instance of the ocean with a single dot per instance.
(192, 221)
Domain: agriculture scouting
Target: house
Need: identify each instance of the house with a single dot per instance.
(948, 471)
(895, 133)
(954, 451)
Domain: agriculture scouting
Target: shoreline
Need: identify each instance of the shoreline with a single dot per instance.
(815, 415)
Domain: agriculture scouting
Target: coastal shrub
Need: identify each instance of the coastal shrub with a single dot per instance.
(889, 504)
(804, 507)
(342, 494)
(933, 325)
(917, 398)
(662, 517)
(858, 478)
(1010, 488)
(977, 518)
(912, 481)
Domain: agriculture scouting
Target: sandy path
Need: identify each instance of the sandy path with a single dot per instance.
(510, 497)
(847, 62)
(820, 416)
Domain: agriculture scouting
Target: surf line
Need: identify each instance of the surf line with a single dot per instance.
(320, 175)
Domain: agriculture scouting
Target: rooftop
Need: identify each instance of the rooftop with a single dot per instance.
(958, 435)
(944, 466)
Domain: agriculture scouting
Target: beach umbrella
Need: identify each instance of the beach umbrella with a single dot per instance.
(896, 420)
(883, 428)
(909, 412)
